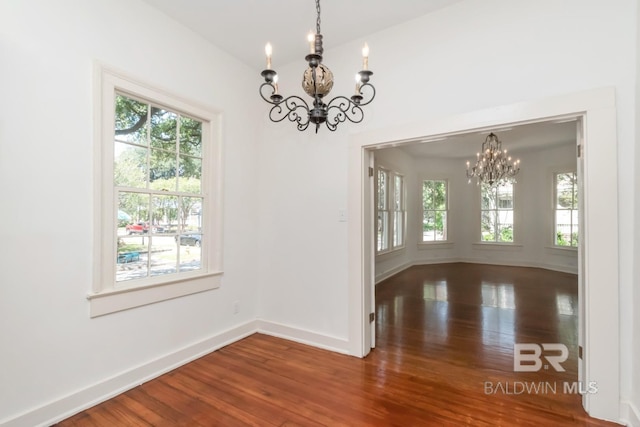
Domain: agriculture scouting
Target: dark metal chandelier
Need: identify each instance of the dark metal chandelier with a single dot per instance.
(493, 167)
(317, 82)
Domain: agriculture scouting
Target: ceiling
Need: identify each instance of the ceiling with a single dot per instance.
(515, 139)
(243, 27)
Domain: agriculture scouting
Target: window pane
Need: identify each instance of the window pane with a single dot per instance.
(190, 251)
(382, 190)
(488, 196)
(440, 195)
(427, 195)
(397, 193)
(428, 226)
(190, 214)
(134, 210)
(398, 222)
(190, 171)
(488, 226)
(565, 191)
(505, 196)
(163, 165)
(163, 129)
(566, 209)
(132, 258)
(190, 137)
(131, 120)
(383, 242)
(164, 212)
(164, 256)
(441, 225)
(130, 166)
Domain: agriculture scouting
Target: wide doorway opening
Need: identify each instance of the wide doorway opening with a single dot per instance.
(597, 263)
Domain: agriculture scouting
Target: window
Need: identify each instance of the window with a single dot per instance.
(566, 209)
(497, 213)
(390, 210)
(434, 210)
(159, 218)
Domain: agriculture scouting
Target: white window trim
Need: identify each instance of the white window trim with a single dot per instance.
(105, 296)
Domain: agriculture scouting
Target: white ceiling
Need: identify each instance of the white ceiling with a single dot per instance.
(516, 139)
(243, 27)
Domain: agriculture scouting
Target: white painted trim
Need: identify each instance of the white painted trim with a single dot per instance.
(123, 299)
(597, 108)
(106, 296)
(62, 408)
(629, 414)
(392, 271)
(302, 336)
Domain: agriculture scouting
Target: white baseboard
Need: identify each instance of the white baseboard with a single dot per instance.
(392, 271)
(67, 406)
(395, 270)
(629, 414)
(508, 263)
(303, 336)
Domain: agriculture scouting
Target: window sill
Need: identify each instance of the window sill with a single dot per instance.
(114, 300)
(496, 246)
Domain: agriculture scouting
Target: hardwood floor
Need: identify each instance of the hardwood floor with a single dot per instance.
(444, 357)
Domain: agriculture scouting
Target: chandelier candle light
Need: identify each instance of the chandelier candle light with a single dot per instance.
(317, 82)
(493, 167)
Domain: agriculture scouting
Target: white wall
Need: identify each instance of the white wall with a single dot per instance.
(633, 293)
(533, 198)
(471, 56)
(50, 348)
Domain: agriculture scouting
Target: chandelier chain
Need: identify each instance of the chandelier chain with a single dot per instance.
(318, 18)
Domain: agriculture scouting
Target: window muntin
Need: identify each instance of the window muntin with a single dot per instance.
(390, 210)
(434, 210)
(497, 206)
(565, 231)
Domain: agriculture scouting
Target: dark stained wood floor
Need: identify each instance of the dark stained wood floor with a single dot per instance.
(445, 342)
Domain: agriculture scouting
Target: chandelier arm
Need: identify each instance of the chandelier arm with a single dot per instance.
(293, 108)
(340, 109)
(372, 92)
(270, 98)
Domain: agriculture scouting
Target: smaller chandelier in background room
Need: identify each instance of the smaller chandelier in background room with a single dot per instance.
(317, 81)
(493, 167)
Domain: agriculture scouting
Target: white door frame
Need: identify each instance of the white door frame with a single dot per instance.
(601, 286)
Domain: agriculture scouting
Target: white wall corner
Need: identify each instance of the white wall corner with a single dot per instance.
(64, 407)
(392, 271)
(629, 414)
(302, 336)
